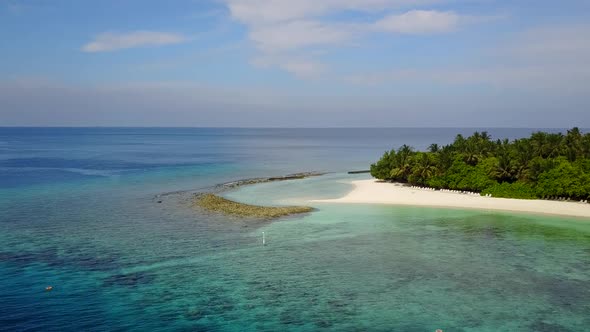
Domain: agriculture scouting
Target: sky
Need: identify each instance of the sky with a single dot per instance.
(295, 63)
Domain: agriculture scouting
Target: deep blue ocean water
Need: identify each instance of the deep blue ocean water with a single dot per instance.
(78, 212)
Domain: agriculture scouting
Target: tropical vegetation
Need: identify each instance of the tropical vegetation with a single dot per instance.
(544, 165)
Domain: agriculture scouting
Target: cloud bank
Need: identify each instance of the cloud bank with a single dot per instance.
(553, 58)
(420, 22)
(199, 105)
(111, 41)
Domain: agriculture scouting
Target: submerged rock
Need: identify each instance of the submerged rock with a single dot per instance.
(214, 203)
(244, 182)
(131, 279)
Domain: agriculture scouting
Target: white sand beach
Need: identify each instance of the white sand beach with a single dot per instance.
(375, 192)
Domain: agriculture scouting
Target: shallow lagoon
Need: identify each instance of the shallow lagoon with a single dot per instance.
(118, 260)
(405, 268)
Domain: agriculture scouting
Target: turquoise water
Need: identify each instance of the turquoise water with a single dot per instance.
(79, 213)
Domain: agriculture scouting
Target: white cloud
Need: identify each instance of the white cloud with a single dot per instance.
(271, 11)
(279, 28)
(298, 34)
(109, 41)
(419, 22)
(303, 68)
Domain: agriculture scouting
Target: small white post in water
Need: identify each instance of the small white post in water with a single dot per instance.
(263, 239)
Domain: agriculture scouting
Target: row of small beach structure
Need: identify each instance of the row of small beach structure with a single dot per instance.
(450, 191)
(565, 199)
(464, 192)
(487, 195)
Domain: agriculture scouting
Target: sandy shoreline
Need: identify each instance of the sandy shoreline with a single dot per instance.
(373, 192)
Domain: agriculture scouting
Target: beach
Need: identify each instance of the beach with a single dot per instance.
(377, 192)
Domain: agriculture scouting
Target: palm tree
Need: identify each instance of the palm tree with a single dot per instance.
(554, 147)
(538, 142)
(471, 153)
(425, 168)
(433, 148)
(505, 169)
(524, 155)
(485, 143)
(585, 144)
(459, 143)
(573, 144)
(401, 173)
(404, 153)
(476, 136)
(402, 168)
(445, 159)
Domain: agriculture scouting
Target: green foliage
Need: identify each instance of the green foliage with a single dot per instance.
(437, 182)
(381, 169)
(423, 169)
(564, 180)
(511, 190)
(462, 176)
(544, 165)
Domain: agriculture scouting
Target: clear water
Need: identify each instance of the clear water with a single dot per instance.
(78, 213)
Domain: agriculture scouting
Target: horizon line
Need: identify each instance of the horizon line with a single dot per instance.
(281, 127)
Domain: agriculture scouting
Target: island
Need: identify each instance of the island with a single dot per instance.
(545, 173)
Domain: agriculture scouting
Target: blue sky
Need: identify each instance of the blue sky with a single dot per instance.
(305, 63)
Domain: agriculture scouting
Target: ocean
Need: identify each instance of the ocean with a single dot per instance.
(79, 212)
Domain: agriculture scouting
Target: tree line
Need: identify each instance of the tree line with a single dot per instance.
(544, 165)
